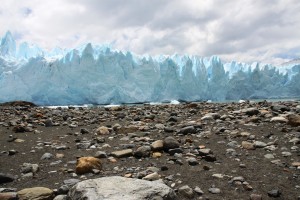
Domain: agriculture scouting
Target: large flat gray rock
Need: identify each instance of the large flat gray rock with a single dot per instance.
(116, 188)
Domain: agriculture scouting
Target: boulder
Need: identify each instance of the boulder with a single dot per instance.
(116, 187)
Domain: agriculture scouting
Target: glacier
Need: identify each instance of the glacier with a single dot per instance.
(98, 74)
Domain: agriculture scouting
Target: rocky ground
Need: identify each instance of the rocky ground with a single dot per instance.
(199, 150)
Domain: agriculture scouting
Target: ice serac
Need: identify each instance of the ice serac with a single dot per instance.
(97, 74)
(8, 45)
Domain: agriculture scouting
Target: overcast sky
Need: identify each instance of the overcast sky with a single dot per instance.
(243, 30)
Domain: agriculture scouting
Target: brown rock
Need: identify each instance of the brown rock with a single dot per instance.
(36, 193)
(293, 120)
(87, 164)
(156, 155)
(157, 145)
(296, 164)
(255, 197)
(9, 196)
(248, 145)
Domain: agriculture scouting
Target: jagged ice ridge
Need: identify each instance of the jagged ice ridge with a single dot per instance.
(100, 75)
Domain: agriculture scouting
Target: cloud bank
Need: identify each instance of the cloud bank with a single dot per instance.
(243, 30)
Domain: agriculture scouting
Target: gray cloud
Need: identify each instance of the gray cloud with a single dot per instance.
(247, 30)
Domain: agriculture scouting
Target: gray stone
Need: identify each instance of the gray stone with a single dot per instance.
(6, 178)
(28, 167)
(198, 190)
(250, 111)
(122, 153)
(47, 156)
(214, 190)
(192, 161)
(186, 191)
(286, 154)
(259, 144)
(83, 145)
(269, 156)
(116, 187)
(187, 129)
(204, 152)
(64, 189)
(143, 151)
(170, 143)
(71, 182)
(60, 197)
(48, 123)
(100, 154)
(274, 193)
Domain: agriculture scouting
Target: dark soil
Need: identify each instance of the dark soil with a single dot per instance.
(261, 174)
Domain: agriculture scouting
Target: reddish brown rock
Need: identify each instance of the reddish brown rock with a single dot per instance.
(87, 164)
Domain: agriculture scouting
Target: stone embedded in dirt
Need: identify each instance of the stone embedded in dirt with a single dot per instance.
(204, 152)
(61, 197)
(157, 145)
(176, 151)
(274, 193)
(71, 182)
(248, 145)
(170, 143)
(152, 177)
(210, 158)
(259, 144)
(102, 130)
(156, 155)
(19, 129)
(187, 129)
(100, 154)
(12, 152)
(192, 161)
(211, 116)
(6, 178)
(296, 164)
(186, 191)
(198, 190)
(286, 154)
(28, 167)
(250, 111)
(84, 131)
(36, 193)
(47, 156)
(48, 123)
(9, 196)
(143, 151)
(214, 190)
(87, 164)
(116, 187)
(293, 120)
(269, 156)
(279, 119)
(255, 197)
(122, 153)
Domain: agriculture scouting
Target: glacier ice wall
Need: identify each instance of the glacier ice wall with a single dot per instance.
(99, 75)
